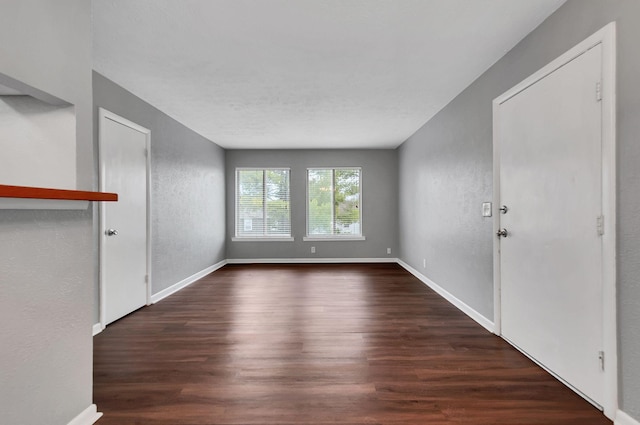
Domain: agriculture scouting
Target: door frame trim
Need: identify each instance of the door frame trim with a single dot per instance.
(606, 37)
(104, 114)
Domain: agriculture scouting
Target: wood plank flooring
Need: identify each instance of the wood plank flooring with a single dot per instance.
(318, 344)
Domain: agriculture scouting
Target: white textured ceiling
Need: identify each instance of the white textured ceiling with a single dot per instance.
(305, 73)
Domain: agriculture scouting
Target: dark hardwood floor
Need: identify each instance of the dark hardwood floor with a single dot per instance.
(318, 344)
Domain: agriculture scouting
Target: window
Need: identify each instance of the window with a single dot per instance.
(333, 203)
(262, 203)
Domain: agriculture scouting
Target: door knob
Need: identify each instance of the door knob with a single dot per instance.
(504, 209)
(111, 232)
(502, 233)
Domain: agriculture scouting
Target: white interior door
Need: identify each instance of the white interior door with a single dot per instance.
(123, 161)
(551, 267)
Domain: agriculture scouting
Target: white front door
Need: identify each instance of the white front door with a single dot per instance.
(551, 262)
(123, 267)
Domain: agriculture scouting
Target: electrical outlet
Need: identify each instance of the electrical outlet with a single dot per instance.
(313, 249)
(424, 263)
(388, 250)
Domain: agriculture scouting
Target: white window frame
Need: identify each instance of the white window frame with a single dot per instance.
(265, 238)
(312, 238)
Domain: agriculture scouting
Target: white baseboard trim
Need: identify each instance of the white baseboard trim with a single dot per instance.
(97, 328)
(88, 416)
(483, 321)
(185, 282)
(309, 260)
(624, 419)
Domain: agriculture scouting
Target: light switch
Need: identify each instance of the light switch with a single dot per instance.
(486, 209)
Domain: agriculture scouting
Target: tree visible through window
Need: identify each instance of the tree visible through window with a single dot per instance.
(262, 203)
(333, 207)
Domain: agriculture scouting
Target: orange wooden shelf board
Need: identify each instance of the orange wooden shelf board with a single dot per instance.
(27, 192)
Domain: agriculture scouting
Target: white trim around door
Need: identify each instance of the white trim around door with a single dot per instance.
(606, 37)
(103, 115)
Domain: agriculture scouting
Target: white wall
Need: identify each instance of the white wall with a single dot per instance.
(46, 265)
(38, 143)
(47, 45)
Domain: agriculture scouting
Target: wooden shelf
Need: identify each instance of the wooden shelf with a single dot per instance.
(25, 197)
(58, 194)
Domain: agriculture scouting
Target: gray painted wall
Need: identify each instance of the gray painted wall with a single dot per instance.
(446, 172)
(46, 154)
(47, 45)
(46, 268)
(379, 203)
(187, 199)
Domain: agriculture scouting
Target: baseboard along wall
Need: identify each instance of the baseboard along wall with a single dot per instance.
(311, 260)
(97, 328)
(461, 305)
(186, 282)
(88, 416)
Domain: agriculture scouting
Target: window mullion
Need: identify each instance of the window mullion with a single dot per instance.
(264, 202)
(237, 203)
(333, 201)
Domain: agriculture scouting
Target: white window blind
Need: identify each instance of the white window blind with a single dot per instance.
(262, 203)
(333, 207)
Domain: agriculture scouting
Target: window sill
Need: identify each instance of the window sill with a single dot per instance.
(266, 239)
(333, 238)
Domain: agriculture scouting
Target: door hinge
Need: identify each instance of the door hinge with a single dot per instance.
(146, 278)
(601, 359)
(600, 225)
(146, 152)
(598, 91)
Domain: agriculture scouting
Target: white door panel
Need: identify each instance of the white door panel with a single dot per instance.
(551, 261)
(124, 255)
